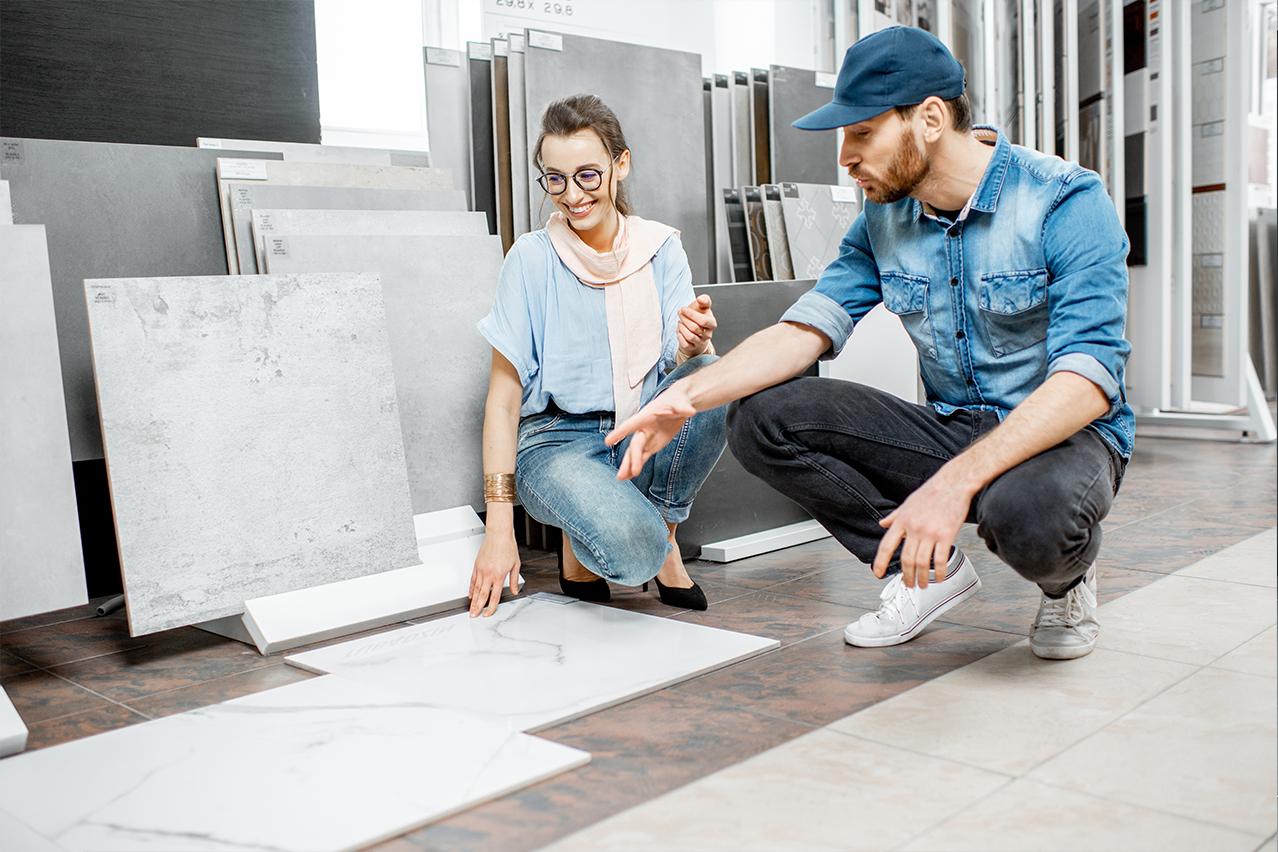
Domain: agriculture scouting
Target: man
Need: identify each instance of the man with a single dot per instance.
(1007, 268)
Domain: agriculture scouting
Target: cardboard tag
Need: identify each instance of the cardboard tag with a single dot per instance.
(546, 41)
(843, 194)
(443, 56)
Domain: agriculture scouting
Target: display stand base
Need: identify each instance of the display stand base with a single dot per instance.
(447, 543)
(767, 541)
(13, 733)
(1253, 424)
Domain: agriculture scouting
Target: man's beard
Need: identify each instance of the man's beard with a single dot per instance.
(903, 175)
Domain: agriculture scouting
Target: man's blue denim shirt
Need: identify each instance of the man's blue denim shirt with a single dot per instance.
(1031, 280)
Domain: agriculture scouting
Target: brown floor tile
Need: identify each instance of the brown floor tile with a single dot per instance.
(639, 750)
(216, 691)
(399, 844)
(786, 618)
(11, 665)
(39, 696)
(1170, 541)
(824, 679)
(852, 585)
(80, 725)
(768, 569)
(78, 639)
(181, 658)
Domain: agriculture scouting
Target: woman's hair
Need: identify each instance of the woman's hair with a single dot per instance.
(575, 113)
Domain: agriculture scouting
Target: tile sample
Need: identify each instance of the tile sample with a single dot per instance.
(13, 733)
(6, 204)
(301, 152)
(41, 562)
(322, 764)
(436, 289)
(244, 196)
(778, 242)
(657, 96)
(269, 223)
(448, 114)
(252, 438)
(521, 178)
(112, 210)
(742, 130)
(738, 236)
(757, 233)
(762, 134)
(800, 156)
(536, 662)
(483, 174)
(721, 169)
(500, 95)
(817, 217)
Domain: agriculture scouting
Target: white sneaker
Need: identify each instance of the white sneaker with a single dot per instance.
(905, 611)
(1066, 628)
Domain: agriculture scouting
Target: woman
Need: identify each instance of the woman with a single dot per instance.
(590, 312)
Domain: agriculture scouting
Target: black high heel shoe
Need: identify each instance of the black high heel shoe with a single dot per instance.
(595, 591)
(690, 598)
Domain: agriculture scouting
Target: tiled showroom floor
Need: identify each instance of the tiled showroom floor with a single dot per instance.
(1164, 738)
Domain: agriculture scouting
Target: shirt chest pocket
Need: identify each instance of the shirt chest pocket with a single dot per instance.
(1014, 309)
(906, 296)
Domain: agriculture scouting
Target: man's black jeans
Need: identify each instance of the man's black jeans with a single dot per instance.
(850, 454)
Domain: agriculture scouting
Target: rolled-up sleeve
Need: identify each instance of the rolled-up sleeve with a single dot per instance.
(1086, 253)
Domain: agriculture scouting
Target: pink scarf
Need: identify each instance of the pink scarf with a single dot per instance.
(633, 307)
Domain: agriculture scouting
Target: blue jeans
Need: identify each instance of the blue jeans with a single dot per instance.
(850, 454)
(567, 477)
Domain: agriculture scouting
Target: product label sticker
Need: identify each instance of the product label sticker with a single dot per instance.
(241, 169)
(1213, 66)
(1212, 261)
(516, 43)
(264, 222)
(101, 294)
(443, 56)
(843, 194)
(546, 41)
(243, 194)
(277, 246)
(826, 80)
(1215, 128)
(210, 143)
(791, 190)
(500, 47)
(479, 51)
(11, 154)
(1213, 321)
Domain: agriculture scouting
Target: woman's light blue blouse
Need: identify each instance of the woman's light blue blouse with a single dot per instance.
(554, 329)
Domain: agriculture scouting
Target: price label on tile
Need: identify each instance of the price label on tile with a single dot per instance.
(443, 56)
(277, 246)
(826, 80)
(11, 153)
(479, 51)
(241, 169)
(843, 194)
(546, 41)
(210, 143)
(102, 294)
(265, 222)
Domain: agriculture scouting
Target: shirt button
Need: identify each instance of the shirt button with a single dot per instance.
(953, 282)
(958, 335)
(971, 382)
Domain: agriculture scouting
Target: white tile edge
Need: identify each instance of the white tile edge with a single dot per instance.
(13, 732)
(732, 549)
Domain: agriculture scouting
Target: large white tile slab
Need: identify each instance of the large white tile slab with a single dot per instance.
(17, 835)
(245, 196)
(536, 662)
(1257, 656)
(1252, 561)
(821, 791)
(436, 289)
(1203, 749)
(1187, 619)
(326, 223)
(252, 438)
(1027, 816)
(41, 563)
(324, 764)
(1011, 711)
(13, 733)
(302, 152)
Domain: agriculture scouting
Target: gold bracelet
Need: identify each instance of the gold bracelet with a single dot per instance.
(499, 488)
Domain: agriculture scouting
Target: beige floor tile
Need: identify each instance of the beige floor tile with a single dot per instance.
(1252, 561)
(821, 791)
(1188, 619)
(1027, 816)
(1203, 749)
(1011, 711)
(1257, 656)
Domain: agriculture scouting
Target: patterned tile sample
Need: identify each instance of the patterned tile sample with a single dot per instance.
(738, 236)
(323, 764)
(317, 174)
(244, 196)
(448, 114)
(252, 438)
(815, 224)
(657, 96)
(41, 563)
(757, 232)
(800, 156)
(778, 242)
(536, 662)
(440, 359)
(112, 210)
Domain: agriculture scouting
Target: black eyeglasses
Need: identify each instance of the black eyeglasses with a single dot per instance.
(556, 184)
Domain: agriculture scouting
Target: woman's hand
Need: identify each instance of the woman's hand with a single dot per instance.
(498, 559)
(696, 327)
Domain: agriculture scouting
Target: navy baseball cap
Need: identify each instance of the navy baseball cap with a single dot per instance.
(898, 66)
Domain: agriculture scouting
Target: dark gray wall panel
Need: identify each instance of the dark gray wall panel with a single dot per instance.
(657, 96)
(159, 73)
(113, 211)
(733, 502)
(483, 174)
(800, 156)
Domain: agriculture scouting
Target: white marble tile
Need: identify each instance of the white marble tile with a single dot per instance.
(441, 361)
(1011, 711)
(1252, 562)
(822, 791)
(13, 733)
(252, 438)
(1187, 618)
(324, 764)
(41, 562)
(1204, 749)
(1027, 816)
(18, 836)
(1257, 656)
(535, 662)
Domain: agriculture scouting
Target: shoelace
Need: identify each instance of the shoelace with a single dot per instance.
(1067, 611)
(894, 596)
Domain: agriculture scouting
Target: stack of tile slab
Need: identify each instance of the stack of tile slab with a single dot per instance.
(322, 764)
(252, 438)
(272, 224)
(112, 210)
(436, 288)
(301, 152)
(240, 256)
